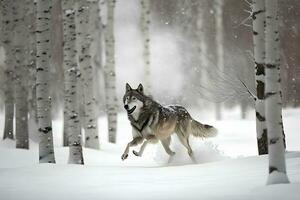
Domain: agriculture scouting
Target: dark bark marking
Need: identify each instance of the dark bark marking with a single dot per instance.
(271, 66)
(262, 143)
(272, 169)
(39, 69)
(260, 89)
(260, 117)
(268, 94)
(45, 130)
(260, 69)
(274, 140)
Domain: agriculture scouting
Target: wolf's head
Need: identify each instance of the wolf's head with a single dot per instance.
(134, 100)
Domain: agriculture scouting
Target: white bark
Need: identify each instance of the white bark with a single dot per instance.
(43, 19)
(258, 16)
(30, 18)
(219, 45)
(145, 27)
(6, 40)
(277, 166)
(96, 30)
(65, 118)
(9, 108)
(65, 136)
(71, 74)
(21, 73)
(84, 40)
(110, 74)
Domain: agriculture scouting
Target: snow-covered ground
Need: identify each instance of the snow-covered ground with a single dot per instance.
(227, 167)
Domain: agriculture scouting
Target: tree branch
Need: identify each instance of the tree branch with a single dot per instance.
(248, 90)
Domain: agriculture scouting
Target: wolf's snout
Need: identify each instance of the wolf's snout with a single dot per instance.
(126, 107)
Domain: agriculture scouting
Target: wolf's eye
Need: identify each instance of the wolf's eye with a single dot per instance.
(127, 98)
(133, 98)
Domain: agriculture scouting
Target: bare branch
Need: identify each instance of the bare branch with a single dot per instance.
(251, 93)
(248, 2)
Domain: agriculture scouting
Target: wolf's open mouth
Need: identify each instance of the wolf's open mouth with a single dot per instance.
(131, 110)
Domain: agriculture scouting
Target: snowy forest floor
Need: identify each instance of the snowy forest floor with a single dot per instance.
(227, 167)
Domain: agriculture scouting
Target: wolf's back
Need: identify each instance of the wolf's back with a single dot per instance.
(203, 130)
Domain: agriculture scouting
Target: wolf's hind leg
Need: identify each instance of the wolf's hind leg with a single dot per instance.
(190, 151)
(141, 151)
(166, 144)
(185, 142)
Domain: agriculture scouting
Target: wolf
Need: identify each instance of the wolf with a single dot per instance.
(151, 122)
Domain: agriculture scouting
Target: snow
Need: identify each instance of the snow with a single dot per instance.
(277, 177)
(227, 167)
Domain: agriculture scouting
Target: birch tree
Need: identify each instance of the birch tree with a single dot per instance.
(43, 18)
(277, 166)
(110, 74)
(21, 73)
(258, 17)
(218, 4)
(7, 41)
(84, 40)
(30, 18)
(96, 30)
(71, 74)
(65, 60)
(145, 26)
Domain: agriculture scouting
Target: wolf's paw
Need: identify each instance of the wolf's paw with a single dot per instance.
(136, 153)
(170, 160)
(124, 156)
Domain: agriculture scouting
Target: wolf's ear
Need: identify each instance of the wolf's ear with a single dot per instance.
(128, 88)
(140, 89)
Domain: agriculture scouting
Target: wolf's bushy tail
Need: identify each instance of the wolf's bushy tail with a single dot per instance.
(203, 130)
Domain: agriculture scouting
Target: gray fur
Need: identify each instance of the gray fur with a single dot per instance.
(152, 122)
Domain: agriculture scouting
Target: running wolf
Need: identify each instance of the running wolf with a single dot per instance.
(152, 122)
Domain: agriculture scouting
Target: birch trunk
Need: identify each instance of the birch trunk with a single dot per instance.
(65, 59)
(219, 45)
(84, 40)
(97, 50)
(65, 119)
(259, 20)
(32, 107)
(43, 18)
(21, 116)
(145, 26)
(71, 73)
(96, 31)
(110, 74)
(21, 72)
(65, 136)
(6, 41)
(9, 108)
(277, 166)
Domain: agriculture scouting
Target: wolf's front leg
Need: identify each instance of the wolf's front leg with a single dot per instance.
(140, 152)
(149, 139)
(134, 142)
(166, 144)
